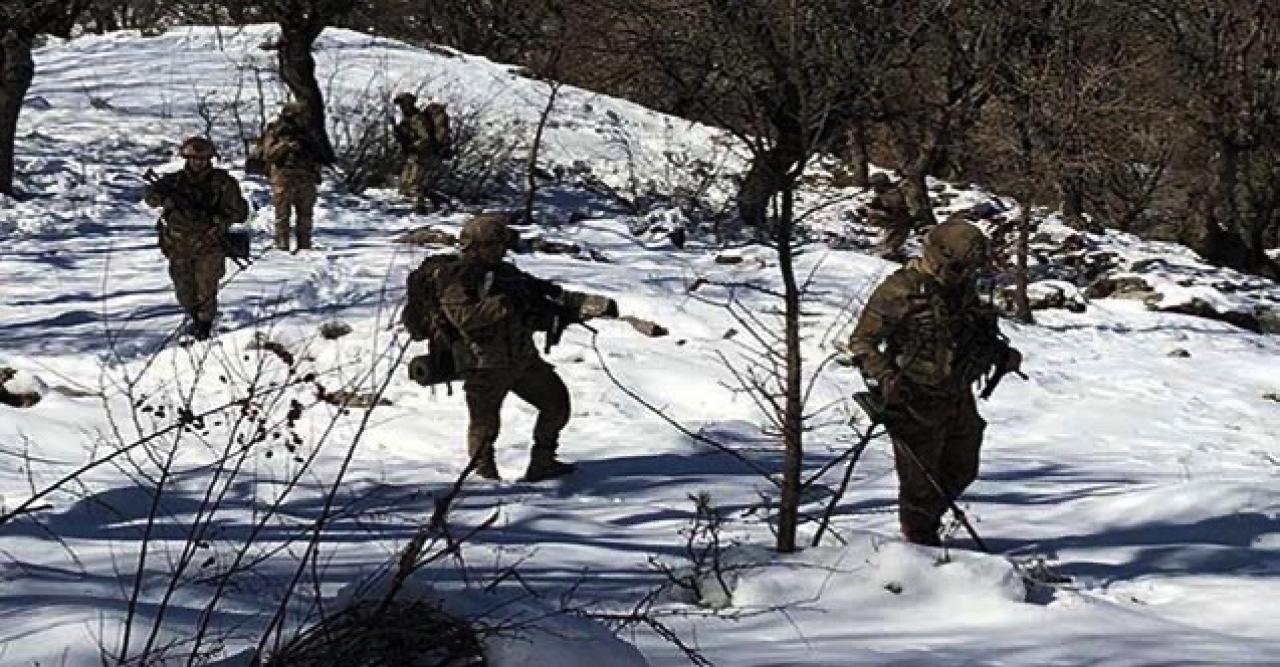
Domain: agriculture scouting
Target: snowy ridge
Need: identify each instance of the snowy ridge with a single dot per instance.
(1149, 479)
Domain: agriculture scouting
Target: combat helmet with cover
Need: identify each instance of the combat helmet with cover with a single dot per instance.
(197, 147)
(954, 250)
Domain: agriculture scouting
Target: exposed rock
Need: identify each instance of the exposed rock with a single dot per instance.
(334, 329)
(1044, 296)
(1272, 396)
(728, 259)
(1180, 353)
(1268, 319)
(554, 247)
(16, 393)
(1119, 287)
(1198, 307)
(427, 236)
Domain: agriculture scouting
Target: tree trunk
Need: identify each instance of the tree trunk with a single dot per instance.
(1021, 301)
(792, 417)
(17, 69)
(1071, 184)
(532, 164)
(298, 69)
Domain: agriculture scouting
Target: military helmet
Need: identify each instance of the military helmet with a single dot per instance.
(294, 110)
(197, 147)
(954, 249)
(486, 229)
(405, 98)
(879, 180)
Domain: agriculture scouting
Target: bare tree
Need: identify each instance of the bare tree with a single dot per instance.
(21, 22)
(933, 99)
(785, 77)
(1224, 58)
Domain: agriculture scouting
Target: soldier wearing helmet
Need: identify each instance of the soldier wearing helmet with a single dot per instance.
(426, 140)
(492, 310)
(198, 203)
(923, 339)
(293, 169)
(889, 211)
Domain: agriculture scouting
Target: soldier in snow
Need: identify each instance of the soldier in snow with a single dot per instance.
(921, 342)
(888, 210)
(427, 141)
(199, 203)
(293, 162)
(478, 314)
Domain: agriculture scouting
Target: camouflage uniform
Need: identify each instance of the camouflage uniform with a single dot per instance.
(424, 152)
(199, 204)
(488, 302)
(294, 163)
(889, 210)
(922, 340)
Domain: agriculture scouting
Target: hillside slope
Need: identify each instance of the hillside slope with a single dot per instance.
(1148, 479)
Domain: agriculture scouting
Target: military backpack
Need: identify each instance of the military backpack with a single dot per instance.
(424, 319)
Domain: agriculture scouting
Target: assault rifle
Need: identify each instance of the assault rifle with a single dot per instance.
(234, 244)
(554, 309)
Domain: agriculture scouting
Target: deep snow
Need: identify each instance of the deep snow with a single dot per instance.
(1150, 479)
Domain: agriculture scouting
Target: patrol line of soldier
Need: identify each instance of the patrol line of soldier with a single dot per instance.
(922, 340)
(200, 203)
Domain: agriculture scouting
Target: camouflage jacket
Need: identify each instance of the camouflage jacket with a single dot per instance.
(940, 340)
(889, 210)
(290, 153)
(415, 134)
(197, 208)
(491, 308)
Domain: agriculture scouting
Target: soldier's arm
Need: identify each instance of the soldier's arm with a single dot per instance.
(235, 210)
(879, 317)
(473, 312)
(157, 193)
(276, 146)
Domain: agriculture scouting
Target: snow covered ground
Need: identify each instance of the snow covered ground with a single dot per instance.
(1148, 479)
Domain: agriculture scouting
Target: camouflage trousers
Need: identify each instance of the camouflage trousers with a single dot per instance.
(293, 196)
(945, 433)
(418, 178)
(537, 384)
(195, 281)
(895, 236)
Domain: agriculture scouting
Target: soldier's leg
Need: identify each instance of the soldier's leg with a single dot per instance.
(304, 203)
(895, 236)
(183, 273)
(920, 508)
(541, 387)
(281, 200)
(485, 392)
(409, 178)
(961, 451)
(209, 269)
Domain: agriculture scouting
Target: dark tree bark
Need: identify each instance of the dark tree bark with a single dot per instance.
(16, 73)
(20, 23)
(298, 69)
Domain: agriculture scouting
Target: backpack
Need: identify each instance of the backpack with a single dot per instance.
(424, 319)
(441, 134)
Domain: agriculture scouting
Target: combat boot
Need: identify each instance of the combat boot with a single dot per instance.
(543, 465)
